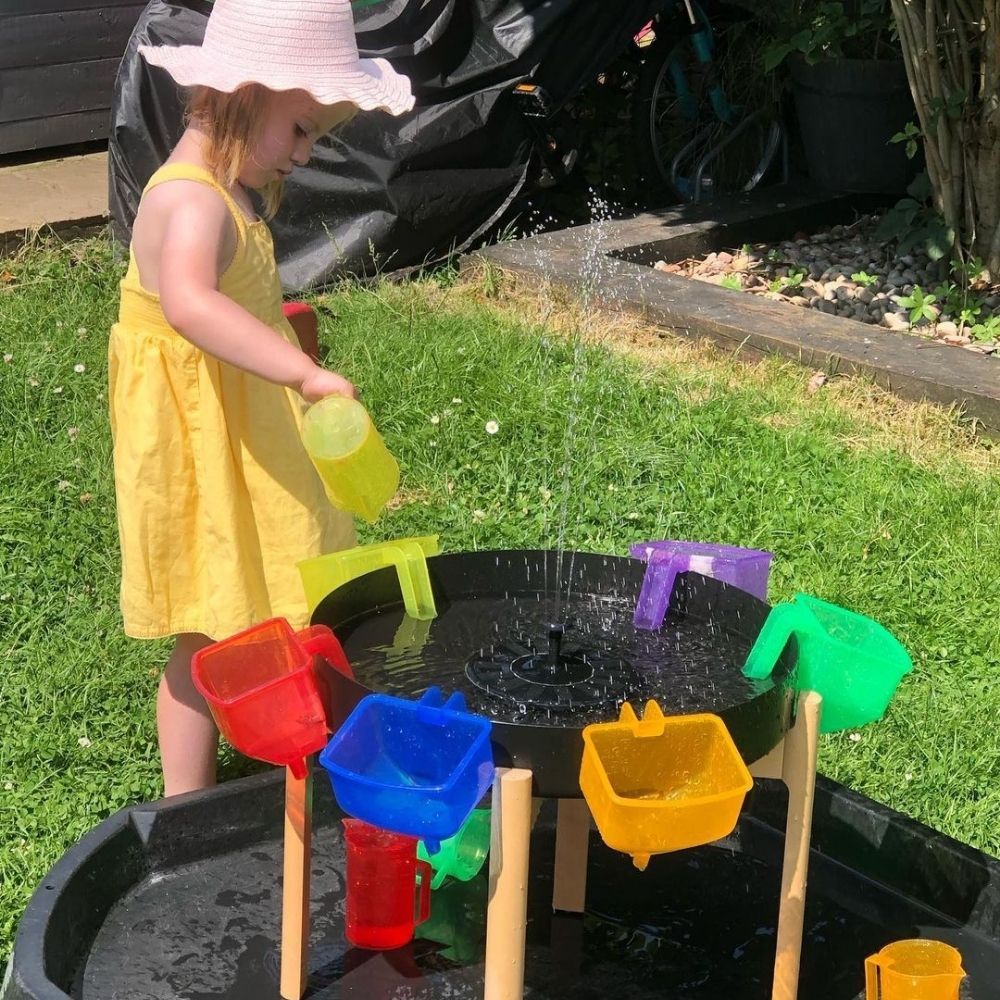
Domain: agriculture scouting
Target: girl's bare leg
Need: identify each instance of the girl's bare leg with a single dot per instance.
(187, 733)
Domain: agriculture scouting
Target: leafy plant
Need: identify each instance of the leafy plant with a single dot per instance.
(968, 271)
(967, 316)
(920, 305)
(831, 31)
(951, 104)
(793, 279)
(950, 296)
(864, 278)
(910, 134)
(731, 281)
(958, 298)
(989, 329)
(914, 224)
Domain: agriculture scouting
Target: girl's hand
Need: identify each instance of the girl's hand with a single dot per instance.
(319, 383)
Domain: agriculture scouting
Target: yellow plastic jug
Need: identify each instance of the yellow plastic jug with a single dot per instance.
(357, 470)
(915, 969)
(663, 783)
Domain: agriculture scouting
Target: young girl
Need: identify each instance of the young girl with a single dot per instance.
(217, 500)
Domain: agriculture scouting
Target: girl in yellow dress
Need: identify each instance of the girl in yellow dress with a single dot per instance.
(217, 500)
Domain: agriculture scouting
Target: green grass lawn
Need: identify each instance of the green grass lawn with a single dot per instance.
(886, 508)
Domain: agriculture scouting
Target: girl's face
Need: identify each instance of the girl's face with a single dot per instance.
(293, 121)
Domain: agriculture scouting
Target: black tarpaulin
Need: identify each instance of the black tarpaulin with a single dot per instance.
(387, 193)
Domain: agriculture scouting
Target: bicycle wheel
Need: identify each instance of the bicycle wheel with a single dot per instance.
(691, 138)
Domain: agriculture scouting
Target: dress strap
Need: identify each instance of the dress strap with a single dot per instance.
(190, 172)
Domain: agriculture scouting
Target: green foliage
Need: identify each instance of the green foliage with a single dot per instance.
(969, 271)
(792, 280)
(864, 278)
(914, 224)
(910, 134)
(950, 296)
(921, 306)
(830, 30)
(731, 281)
(962, 299)
(988, 330)
(952, 105)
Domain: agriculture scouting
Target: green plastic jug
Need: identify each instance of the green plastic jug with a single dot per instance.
(852, 661)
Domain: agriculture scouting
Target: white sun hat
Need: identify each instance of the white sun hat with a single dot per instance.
(285, 45)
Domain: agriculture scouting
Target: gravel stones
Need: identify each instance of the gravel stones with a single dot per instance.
(845, 271)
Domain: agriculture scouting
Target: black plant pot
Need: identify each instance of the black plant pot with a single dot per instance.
(848, 110)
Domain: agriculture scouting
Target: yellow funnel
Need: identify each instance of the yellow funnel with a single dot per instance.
(663, 783)
(324, 574)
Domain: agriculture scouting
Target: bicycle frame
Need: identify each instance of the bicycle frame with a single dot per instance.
(703, 44)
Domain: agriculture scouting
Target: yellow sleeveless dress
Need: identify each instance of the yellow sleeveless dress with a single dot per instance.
(217, 499)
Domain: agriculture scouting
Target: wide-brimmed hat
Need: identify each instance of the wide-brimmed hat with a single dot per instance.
(285, 45)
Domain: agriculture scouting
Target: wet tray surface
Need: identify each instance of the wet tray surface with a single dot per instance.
(198, 911)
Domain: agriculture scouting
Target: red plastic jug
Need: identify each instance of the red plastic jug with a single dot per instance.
(382, 870)
(267, 691)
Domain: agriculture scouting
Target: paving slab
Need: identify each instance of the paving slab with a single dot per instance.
(608, 262)
(69, 192)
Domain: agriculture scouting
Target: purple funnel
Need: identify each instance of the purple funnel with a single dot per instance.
(743, 568)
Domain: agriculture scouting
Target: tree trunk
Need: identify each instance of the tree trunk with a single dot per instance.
(952, 54)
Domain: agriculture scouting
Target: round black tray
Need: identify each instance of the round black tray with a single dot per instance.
(497, 600)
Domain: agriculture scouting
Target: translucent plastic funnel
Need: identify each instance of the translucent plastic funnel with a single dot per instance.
(413, 767)
(852, 661)
(663, 783)
(744, 568)
(265, 692)
(914, 970)
(357, 470)
(322, 575)
(463, 855)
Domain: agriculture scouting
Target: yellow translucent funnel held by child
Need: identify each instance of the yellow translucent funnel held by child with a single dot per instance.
(357, 470)
(915, 969)
(664, 783)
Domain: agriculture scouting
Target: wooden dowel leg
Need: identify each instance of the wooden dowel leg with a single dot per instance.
(507, 913)
(569, 880)
(799, 774)
(295, 892)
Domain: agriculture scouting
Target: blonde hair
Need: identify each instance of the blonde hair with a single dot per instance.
(231, 123)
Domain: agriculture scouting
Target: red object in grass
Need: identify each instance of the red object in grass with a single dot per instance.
(302, 317)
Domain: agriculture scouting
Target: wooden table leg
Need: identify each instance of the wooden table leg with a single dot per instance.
(295, 892)
(569, 880)
(799, 774)
(507, 912)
